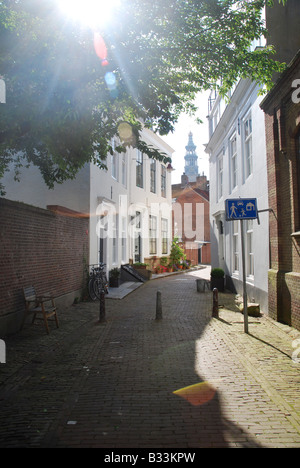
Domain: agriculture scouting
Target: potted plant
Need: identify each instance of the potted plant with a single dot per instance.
(177, 253)
(217, 279)
(164, 264)
(140, 265)
(114, 277)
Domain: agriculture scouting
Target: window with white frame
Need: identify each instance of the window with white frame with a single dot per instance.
(114, 161)
(164, 236)
(163, 181)
(138, 217)
(220, 169)
(115, 240)
(249, 247)
(139, 169)
(152, 235)
(215, 118)
(233, 160)
(235, 246)
(248, 145)
(153, 175)
(124, 239)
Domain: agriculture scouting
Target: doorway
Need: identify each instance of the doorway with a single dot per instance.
(137, 248)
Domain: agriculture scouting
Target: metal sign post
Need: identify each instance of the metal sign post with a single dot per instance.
(245, 299)
(241, 209)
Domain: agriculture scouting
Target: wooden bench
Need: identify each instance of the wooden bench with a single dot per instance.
(44, 305)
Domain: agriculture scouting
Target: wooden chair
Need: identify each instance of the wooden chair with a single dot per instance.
(44, 305)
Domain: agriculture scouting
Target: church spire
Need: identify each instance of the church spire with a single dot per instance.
(191, 160)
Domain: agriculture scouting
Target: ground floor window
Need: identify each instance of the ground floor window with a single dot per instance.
(152, 235)
(235, 247)
(115, 240)
(164, 236)
(249, 247)
(124, 239)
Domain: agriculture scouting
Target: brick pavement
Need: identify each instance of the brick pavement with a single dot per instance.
(186, 381)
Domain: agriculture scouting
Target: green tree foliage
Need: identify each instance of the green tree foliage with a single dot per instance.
(61, 112)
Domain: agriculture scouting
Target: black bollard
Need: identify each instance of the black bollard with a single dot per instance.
(102, 307)
(158, 306)
(215, 311)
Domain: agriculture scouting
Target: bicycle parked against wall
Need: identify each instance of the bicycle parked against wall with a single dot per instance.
(98, 281)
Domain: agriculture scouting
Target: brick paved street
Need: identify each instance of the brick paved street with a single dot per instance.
(111, 385)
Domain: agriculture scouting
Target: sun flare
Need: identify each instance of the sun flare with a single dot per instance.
(91, 13)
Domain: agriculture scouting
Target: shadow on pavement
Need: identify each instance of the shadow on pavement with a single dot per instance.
(131, 382)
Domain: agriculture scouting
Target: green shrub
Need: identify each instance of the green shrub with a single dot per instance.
(217, 273)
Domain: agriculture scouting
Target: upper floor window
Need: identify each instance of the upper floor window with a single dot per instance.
(163, 181)
(215, 119)
(248, 145)
(139, 169)
(233, 160)
(153, 175)
(220, 175)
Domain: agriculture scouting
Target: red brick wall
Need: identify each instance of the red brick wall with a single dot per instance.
(189, 197)
(282, 117)
(42, 248)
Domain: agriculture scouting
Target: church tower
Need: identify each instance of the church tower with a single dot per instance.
(191, 160)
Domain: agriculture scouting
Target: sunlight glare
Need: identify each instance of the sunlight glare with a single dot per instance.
(92, 13)
(199, 393)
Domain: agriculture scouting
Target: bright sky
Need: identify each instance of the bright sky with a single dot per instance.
(91, 13)
(179, 140)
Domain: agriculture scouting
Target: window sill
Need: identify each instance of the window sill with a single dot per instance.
(295, 234)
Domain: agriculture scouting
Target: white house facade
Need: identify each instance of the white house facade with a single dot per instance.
(131, 207)
(129, 203)
(237, 155)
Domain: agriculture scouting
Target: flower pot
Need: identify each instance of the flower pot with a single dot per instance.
(217, 283)
(114, 282)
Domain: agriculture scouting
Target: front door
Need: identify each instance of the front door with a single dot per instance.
(199, 254)
(103, 243)
(137, 248)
